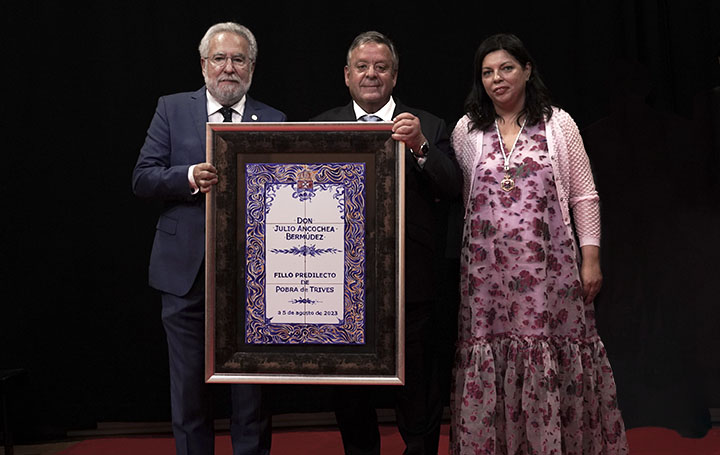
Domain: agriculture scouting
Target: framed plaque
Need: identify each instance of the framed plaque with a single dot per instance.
(304, 254)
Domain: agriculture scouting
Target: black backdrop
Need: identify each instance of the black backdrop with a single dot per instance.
(83, 83)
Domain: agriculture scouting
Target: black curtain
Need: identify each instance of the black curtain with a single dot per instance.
(76, 313)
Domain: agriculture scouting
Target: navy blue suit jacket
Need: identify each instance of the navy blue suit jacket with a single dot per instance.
(175, 141)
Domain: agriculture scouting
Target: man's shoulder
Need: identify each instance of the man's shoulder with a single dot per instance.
(256, 105)
(340, 113)
(420, 113)
(184, 96)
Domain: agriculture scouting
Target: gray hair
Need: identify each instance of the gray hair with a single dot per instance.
(230, 27)
(378, 38)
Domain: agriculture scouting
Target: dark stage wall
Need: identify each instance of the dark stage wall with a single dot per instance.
(83, 84)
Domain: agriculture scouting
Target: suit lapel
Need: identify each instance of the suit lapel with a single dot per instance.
(399, 108)
(252, 112)
(198, 110)
(349, 113)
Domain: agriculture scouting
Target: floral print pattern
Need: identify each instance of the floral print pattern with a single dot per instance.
(531, 374)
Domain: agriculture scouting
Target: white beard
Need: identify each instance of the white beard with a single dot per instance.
(229, 94)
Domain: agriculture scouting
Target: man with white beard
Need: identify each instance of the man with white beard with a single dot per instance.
(172, 168)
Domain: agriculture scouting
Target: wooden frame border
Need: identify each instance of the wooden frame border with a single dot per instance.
(378, 361)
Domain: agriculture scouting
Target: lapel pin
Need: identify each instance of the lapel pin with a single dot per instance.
(254, 117)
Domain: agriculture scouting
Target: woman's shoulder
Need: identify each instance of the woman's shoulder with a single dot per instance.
(463, 122)
(559, 115)
(464, 126)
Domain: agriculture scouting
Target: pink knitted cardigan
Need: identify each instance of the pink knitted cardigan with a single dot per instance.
(570, 165)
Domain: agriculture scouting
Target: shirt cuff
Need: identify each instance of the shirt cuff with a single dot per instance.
(191, 180)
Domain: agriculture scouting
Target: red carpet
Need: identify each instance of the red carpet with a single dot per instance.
(326, 441)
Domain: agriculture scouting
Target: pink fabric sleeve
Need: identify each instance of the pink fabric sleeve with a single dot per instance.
(584, 199)
(464, 144)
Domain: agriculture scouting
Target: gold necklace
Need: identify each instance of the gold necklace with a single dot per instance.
(507, 183)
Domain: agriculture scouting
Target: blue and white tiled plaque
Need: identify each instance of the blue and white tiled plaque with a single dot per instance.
(305, 259)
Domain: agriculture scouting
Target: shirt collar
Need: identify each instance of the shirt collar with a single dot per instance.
(213, 105)
(385, 113)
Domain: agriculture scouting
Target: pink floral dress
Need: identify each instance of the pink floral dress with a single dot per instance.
(532, 376)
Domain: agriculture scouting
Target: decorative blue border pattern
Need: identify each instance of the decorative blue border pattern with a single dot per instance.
(262, 181)
(305, 250)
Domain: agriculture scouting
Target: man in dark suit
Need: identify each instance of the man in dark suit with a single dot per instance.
(432, 178)
(172, 168)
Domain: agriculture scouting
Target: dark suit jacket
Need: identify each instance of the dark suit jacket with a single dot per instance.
(174, 142)
(426, 190)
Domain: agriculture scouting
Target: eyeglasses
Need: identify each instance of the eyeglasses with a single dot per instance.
(239, 62)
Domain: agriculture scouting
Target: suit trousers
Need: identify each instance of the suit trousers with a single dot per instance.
(418, 403)
(191, 398)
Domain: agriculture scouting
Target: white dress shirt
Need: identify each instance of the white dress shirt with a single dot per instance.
(385, 113)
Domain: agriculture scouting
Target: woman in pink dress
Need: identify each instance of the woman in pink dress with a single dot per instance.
(531, 373)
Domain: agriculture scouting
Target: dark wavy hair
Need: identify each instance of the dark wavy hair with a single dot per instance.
(478, 105)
